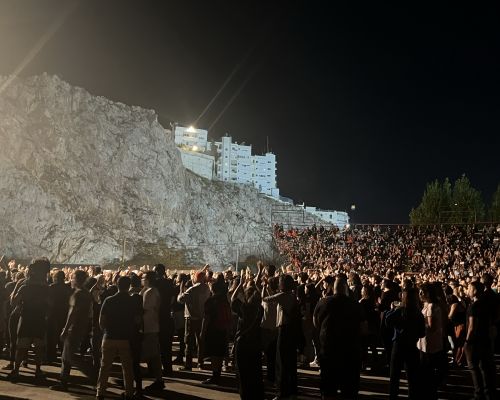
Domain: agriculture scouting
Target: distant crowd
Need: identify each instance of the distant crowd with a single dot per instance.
(423, 301)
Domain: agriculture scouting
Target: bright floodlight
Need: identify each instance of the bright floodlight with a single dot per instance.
(191, 129)
(347, 226)
(195, 148)
(353, 207)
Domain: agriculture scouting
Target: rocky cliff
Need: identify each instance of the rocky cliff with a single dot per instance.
(79, 174)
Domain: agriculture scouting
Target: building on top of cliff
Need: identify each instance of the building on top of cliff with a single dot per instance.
(337, 218)
(226, 160)
(235, 163)
(194, 148)
(190, 138)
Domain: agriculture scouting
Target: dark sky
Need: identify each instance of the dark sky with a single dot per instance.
(362, 104)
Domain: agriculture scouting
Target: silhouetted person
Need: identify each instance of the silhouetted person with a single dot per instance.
(341, 322)
(59, 294)
(75, 330)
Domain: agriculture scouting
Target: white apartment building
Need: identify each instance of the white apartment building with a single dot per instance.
(190, 138)
(337, 218)
(264, 174)
(235, 163)
(192, 144)
(232, 162)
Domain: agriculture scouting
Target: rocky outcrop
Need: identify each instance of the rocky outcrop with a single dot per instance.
(79, 174)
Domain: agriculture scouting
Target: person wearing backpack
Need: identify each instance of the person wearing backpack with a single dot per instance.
(408, 326)
(215, 328)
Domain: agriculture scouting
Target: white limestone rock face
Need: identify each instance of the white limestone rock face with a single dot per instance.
(80, 173)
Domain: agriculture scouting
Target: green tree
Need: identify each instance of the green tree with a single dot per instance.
(467, 203)
(435, 202)
(494, 211)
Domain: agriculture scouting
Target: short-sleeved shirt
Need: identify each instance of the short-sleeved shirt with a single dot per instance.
(80, 304)
(432, 342)
(480, 311)
(151, 304)
(34, 307)
(121, 312)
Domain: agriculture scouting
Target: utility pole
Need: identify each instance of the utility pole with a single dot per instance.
(123, 252)
(237, 257)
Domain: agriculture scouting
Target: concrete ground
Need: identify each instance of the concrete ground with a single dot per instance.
(187, 386)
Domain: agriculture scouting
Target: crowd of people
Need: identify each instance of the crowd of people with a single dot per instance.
(389, 299)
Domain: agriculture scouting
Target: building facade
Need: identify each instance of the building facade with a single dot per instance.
(190, 138)
(235, 163)
(226, 160)
(199, 163)
(337, 218)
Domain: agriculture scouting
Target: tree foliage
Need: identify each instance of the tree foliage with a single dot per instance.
(444, 203)
(494, 211)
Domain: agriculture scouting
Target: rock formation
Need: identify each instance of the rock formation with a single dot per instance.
(79, 174)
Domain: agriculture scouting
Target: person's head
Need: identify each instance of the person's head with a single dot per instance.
(59, 277)
(199, 277)
(97, 270)
(273, 284)
(408, 284)
(182, 278)
(340, 288)
(487, 280)
(367, 292)
(428, 293)
(475, 289)
(409, 299)
(123, 283)
(219, 286)
(286, 283)
(303, 277)
(135, 281)
(386, 284)
(149, 279)
(39, 269)
(79, 278)
(270, 269)
(160, 270)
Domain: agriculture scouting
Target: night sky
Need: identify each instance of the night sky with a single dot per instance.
(362, 105)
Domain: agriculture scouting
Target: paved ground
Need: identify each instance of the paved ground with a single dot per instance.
(186, 386)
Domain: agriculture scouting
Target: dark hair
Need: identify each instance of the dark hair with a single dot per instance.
(219, 287)
(59, 277)
(151, 278)
(98, 270)
(135, 281)
(286, 283)
(487, 280)
(408, 284)
(159, 269)
(428, 291)
(409, 300)
(369, 291)
(271, 270)
(329, 279)
(478, 286)
(303, 276)
(124, 283)
(80, 277)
